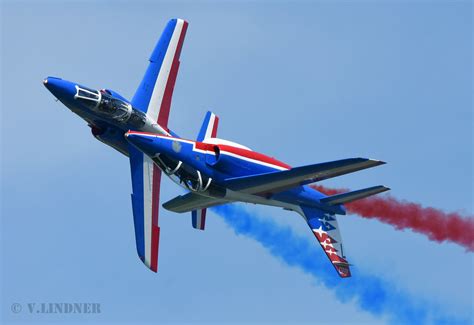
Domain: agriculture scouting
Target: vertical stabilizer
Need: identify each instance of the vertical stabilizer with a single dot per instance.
(209, 127)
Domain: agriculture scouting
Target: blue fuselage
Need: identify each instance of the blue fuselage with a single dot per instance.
(110, 116)
(221, 163)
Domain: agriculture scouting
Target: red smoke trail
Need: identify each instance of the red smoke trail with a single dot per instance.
(436, 224)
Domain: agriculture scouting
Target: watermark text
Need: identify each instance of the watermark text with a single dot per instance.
(57, 308)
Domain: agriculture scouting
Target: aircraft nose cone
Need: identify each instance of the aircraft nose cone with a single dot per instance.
(61, 89)
(53, 84)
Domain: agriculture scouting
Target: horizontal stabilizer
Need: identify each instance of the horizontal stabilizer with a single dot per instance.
(355, 195)
(274, 182)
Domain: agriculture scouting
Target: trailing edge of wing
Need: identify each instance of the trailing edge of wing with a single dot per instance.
(191, 202)
(354, 195)
(275, 182)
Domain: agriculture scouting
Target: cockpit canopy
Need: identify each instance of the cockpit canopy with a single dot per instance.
(117, 108)
(88, 97)
(111, 105)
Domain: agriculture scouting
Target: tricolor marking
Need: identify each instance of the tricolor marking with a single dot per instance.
(199, 218)
(160, 101)
(211, 131)
(239, 153)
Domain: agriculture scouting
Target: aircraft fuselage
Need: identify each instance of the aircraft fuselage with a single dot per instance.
(201, 168)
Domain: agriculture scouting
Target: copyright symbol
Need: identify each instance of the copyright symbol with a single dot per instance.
(16, 308)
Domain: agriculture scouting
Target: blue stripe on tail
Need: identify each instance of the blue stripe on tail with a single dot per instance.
(204, 127)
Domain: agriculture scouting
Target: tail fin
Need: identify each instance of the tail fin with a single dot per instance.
(208, 130)
(354, 195)
(209, 127)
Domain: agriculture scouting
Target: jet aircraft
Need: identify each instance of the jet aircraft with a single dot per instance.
(213, 171)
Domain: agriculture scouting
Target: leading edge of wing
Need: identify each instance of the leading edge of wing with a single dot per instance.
(146, 180)
(278, 181)
(153, 96)
(190, 202)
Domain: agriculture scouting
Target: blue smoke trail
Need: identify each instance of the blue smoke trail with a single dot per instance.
(371, 293)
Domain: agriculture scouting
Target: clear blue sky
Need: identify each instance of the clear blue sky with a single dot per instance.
(305, 82)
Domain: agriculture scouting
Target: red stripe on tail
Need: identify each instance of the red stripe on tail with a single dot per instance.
(214, 127)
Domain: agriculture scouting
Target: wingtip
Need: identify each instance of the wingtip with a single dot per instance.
(382, 188)
(153, 268)
(377, 162)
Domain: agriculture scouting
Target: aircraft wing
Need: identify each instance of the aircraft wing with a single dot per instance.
(153, 96)
(146, 178)
(191, 202)
(274, 182)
